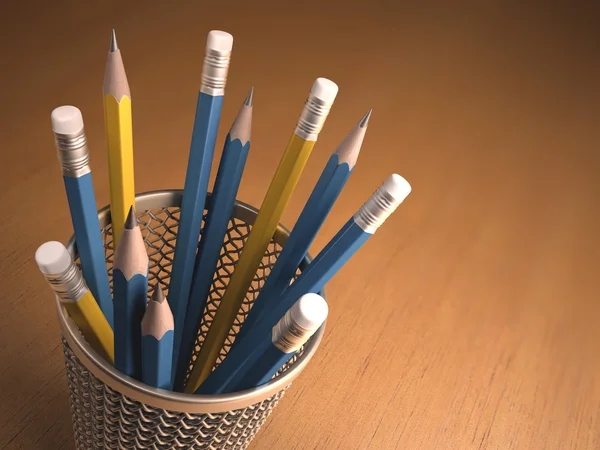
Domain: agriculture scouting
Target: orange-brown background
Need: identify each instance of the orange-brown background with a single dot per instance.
(470, 320)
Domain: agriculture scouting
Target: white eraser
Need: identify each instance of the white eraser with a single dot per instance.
(66, 120)
(397, 187)
(219, 41)
(324, 89)
(310, 311)
(53, 258)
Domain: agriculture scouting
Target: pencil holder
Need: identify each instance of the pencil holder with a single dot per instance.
(111, 410)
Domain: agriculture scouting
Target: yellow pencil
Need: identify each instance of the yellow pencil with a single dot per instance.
(286, 177)
(67, 282)
(119, 138)
(93, 325)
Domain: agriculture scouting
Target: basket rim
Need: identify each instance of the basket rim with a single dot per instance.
(160, 398)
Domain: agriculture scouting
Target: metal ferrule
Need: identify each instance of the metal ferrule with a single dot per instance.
(288, 336)
(73, 154)
(375, 211)
(214, 72)
(69, 285)
(312, 118)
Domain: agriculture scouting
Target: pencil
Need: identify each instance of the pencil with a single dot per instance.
(74, 158)
(326, 191)
(229, 175)
(119, 138)
(312, 119)
(65, 279)
(345, 243)
(329, 260)
(208, 112)
(271, 350)
(130, 282)
(157, 341)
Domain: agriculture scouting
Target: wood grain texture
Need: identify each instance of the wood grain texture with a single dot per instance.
(470, 320)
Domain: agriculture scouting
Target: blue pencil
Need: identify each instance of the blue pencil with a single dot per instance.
(73, 154)
(326, 191)
(157, 341)
(229, 175)
(329, 260)
(130, 283)
(206, 124)
(272, 349)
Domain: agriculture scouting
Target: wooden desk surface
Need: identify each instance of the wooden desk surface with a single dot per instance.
(470, 320)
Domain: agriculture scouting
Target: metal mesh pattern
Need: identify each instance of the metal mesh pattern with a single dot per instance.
(105, 418)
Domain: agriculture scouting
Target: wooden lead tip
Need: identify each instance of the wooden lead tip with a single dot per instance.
(131, 221)
(365, 120)
(349, 149)
(113, 42)
(242, 124)
(158, 318)
(249, 98)
(158, 295)
(115, 80)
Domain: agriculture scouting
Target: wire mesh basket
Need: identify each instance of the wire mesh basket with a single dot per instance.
(111, 410)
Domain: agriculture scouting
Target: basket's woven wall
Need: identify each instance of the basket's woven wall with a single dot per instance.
(105, 418)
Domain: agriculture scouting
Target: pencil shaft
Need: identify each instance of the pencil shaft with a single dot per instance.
(130, 305)
(93, 325)
(231, 372)
(206, 124)
(312, 217)
(262, 370)
(222, 200)
(276, 199)
(157, 356)
(119, 137)
(84, 217)
(325, 265)
(235, 366)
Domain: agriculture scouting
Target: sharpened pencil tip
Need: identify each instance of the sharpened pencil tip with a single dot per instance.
(113, 42)
(365, 120)
(242, 125)
(158, 295)
(349, 148)
(131, 221)
(249, 99)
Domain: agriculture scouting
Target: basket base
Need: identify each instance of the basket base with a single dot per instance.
(106, 419)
